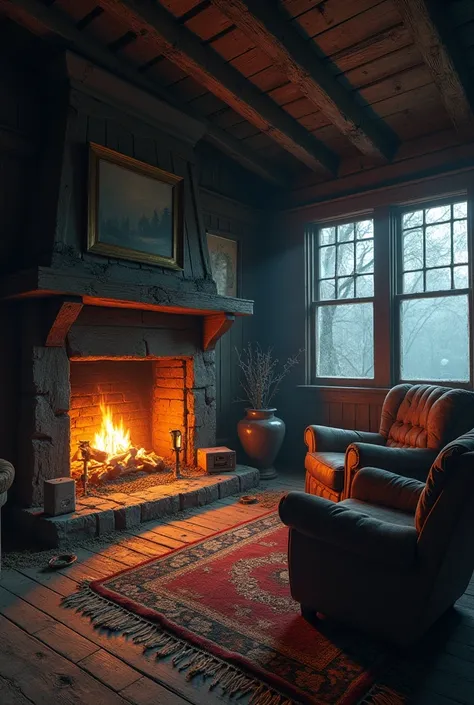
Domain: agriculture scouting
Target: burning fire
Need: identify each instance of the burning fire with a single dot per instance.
(112, 438)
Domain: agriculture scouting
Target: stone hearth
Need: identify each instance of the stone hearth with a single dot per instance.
(99, 515)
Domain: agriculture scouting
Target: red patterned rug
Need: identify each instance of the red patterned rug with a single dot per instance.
(221, 607)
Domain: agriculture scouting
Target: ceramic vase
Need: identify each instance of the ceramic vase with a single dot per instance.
(261, 434)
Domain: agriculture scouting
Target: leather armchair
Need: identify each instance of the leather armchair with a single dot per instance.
(7, 474)
(416, 422)
(395, 555)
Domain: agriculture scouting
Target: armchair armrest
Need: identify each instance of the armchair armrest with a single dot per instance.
(326, 439)
(409, 462)
(352, 531)
(7, 474)
(381, 487)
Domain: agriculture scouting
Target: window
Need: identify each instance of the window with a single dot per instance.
(400, 315)
(344, 311)
(434, 294)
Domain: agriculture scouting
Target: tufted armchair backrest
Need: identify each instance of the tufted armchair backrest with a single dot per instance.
(425, 416)
(444, 470)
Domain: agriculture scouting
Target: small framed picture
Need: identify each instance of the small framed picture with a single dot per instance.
(223, 253)
(135, 210)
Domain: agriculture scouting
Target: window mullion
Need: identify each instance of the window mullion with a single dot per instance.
(382, 297)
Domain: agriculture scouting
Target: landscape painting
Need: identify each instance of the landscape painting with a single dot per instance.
(135, 209)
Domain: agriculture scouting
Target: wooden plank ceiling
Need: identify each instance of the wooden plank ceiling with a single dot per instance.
(302, 90)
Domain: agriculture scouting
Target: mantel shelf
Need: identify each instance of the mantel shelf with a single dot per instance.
(47, 282)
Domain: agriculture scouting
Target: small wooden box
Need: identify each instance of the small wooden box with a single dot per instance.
(219, 459)
(59, 496)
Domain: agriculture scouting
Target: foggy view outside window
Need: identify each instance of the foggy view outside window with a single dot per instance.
(344, 327)
(435, 330)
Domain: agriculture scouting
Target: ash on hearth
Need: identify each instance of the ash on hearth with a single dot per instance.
(112, 454)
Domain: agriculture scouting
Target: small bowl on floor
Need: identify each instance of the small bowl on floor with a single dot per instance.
(248, 499)
(62, 561)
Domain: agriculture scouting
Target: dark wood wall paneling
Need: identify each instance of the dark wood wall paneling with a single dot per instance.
(91, 120)
(19, 129)
(242, 223)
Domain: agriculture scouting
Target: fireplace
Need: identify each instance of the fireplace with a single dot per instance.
(145, 371)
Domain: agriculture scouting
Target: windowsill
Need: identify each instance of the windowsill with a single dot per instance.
(361, 388)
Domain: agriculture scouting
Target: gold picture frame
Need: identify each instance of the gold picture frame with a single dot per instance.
(135, 210)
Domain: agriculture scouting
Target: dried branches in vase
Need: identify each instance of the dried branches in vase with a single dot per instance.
(261, 433)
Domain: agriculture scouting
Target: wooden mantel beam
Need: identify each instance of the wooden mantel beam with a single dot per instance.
(58, 23)
(155, 24)
(426, 20)
(270, 30)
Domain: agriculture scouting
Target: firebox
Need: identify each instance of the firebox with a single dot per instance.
(125, 410)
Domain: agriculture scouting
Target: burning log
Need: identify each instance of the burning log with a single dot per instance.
(99, 455)
(116, 459)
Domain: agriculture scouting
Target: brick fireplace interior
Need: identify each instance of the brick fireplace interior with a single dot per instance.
(149, 397)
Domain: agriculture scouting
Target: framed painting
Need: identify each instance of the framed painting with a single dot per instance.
(223, 254)
(135, 210)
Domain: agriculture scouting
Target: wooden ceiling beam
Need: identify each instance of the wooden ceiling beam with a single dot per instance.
(270, 30)
(58, 23)
(155, 24)
(427, 23)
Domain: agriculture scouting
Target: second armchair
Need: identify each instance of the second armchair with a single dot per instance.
(416, 422)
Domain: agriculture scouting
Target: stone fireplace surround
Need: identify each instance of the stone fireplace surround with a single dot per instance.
(150, 367)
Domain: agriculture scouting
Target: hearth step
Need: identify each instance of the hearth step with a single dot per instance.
(97, 516)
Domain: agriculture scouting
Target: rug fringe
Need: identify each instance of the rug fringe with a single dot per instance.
(381, 695)
(185, 657)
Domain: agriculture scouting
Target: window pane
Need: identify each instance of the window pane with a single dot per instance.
(345, 288)
(413, 250)
(461, 277)
(327, 289)
(438, 244)
(438, 214)
(327, 262)
(365, 256)
(460, 241)
(345, 232)
(435, 339)
(327, 236)
(364, 229)
(438, 279)
(460, 210)
(411, 220)
(345, 259)
(365, 285)
(345, 341)
(413, 282)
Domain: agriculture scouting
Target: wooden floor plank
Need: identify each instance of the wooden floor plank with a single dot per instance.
(22, 614)
(44, 677)
(110, 670)
(66, 642)
(147, 692)
(155, 537)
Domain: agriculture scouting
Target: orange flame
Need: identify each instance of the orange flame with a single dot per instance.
(112, 437)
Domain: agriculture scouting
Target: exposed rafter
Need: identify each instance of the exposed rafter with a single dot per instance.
(155, 24)
(60, 24)
(298, 60)
(426, 22)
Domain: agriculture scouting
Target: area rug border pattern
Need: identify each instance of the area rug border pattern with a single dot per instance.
(195, 655)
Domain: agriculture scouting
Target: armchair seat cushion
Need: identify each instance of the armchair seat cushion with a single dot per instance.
(327, 468)
(386, 514)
